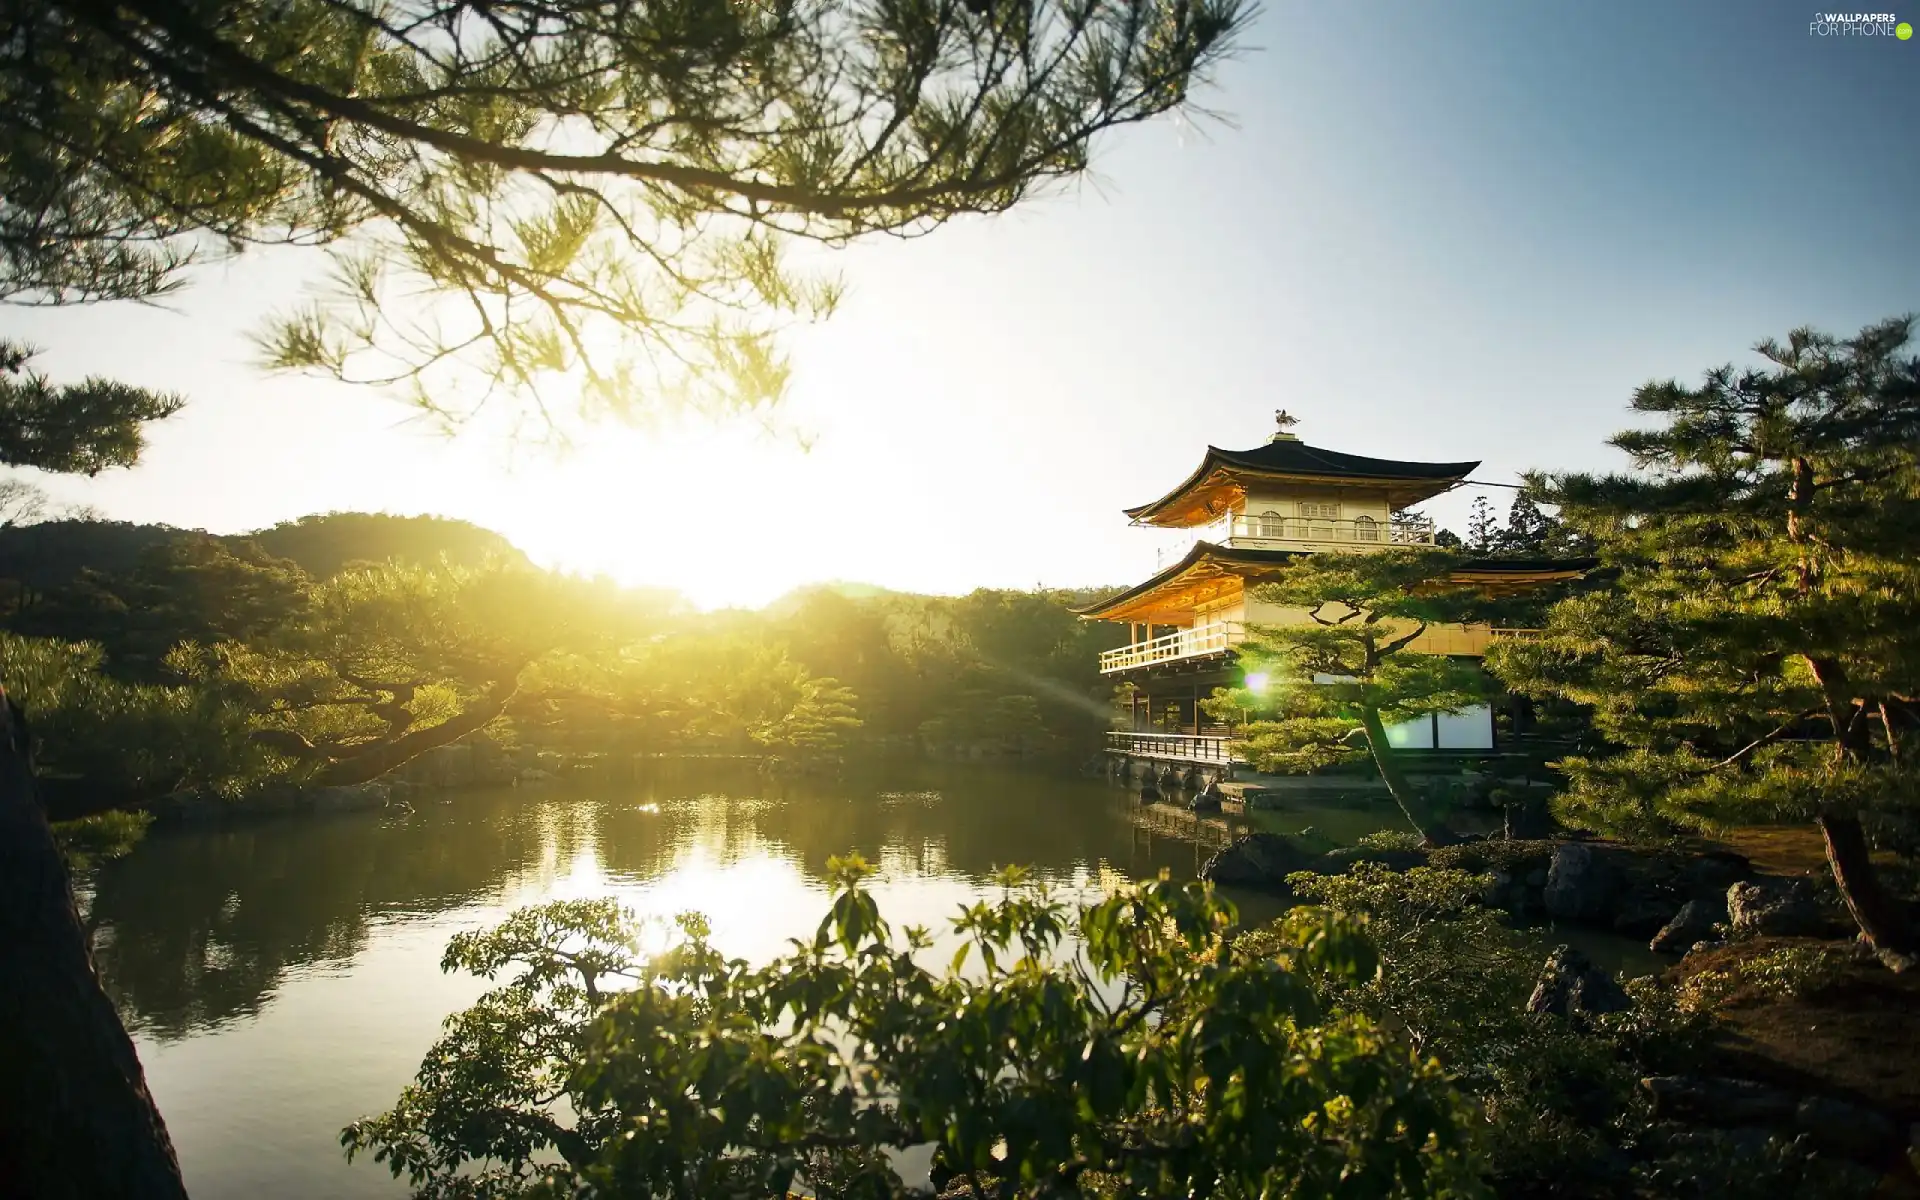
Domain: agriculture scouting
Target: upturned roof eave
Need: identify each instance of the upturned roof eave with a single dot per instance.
(1447, 473)
(1547, 569)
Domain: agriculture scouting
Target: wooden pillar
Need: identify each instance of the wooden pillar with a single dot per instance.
(1196, 710)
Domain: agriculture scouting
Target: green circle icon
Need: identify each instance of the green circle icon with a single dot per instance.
(1903, 31)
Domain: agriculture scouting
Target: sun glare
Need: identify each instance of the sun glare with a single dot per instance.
(713, 513)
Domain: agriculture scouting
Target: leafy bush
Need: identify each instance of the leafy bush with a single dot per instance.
(102, 836)
(138, 739)
(1513, 856)
(1561, 1107)
(1149, 1061)
(1390, 839)
(1780, 972)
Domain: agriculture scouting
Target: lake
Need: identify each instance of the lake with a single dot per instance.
(281, 975)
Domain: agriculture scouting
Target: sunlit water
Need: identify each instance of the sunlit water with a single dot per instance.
(281, 976)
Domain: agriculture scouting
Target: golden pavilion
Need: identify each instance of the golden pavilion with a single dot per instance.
(1249, 513)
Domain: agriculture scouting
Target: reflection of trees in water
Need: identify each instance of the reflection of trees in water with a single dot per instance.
(200, 925)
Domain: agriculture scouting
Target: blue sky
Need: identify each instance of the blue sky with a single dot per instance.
(1430, 231)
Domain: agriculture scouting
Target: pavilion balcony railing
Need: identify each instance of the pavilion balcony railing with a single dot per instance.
(1183, 643)
(1276, 531)
(1469, 640)
(1176, 747)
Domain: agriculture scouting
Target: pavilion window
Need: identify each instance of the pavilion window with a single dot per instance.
(1366, 529)
(1271, 525)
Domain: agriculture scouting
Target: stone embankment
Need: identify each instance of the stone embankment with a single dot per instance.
(1676, 899)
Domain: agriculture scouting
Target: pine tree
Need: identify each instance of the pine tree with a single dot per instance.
(1759, 654)
(1528, 530)
(1360, 613)
(582, 209)
(1483, 528)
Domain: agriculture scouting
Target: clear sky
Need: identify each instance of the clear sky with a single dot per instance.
(1441, 231)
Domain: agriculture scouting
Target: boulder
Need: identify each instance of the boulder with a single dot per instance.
(1258, 860)
(1774, 908)
(534, 775)
(1571, 986)
(1208, 798)
(1845, 1129)
(353, 797)
(1642, 913)
(1896, 961)
(1723, 1103)
(442, 766)
(1693, 924)
(1580, 883)
(1712, 872)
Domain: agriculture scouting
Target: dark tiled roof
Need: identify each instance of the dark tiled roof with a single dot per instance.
(1298, 458)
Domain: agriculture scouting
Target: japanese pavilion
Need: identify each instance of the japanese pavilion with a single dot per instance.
(1249, 513)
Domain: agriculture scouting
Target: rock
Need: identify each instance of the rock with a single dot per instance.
(442, 766)
(533, 775)
(1208, 798)
(1149, 792)
(1845, 1129)
(194, 805)
(1258, 860)
(1580, 887)
(1640, 914)
(1537, 878)
(1712, 872)
(1774, 908)
(1571, 986)
(1694, 923)
(1895, 961)
(353, 797)
(1722, 1103)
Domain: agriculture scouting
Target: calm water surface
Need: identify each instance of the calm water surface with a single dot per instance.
(281, 975)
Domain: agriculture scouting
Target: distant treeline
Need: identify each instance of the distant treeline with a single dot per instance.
(335, 648)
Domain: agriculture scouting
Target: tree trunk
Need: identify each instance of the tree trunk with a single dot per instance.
(372, 764)
(1427, 821)
(75, 1117)
(1879, 915)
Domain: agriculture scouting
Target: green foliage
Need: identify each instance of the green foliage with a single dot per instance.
(819, 713)
(75, 429)
(1779, 972)
(275, 617)
(192, 588)
(1361, 612)
(1512, 855)
(1754, 654)
(1562, 1112)
(1528, 532)
(324, 544)
(134, 740)
(1389, 839)
(583, 210)
(1150, 1062)
(100, 837)
(1340, 675)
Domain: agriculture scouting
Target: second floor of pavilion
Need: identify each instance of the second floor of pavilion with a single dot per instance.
(1288, 495)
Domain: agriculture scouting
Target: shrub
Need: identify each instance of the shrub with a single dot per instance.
(1151, 1062)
